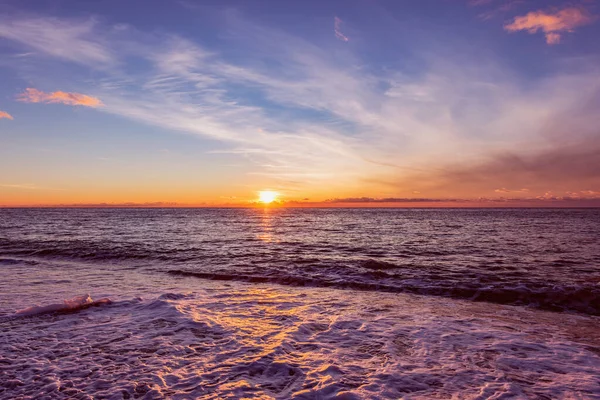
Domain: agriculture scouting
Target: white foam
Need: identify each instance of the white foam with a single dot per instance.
(212, 340)
(73, 304)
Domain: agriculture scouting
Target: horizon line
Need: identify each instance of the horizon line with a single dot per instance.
(346, 206)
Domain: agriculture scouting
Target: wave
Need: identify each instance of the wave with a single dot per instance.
(16, 261)
(69, 305)
(583, 299)
(84, 250)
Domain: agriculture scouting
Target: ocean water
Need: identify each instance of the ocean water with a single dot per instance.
(298, 303)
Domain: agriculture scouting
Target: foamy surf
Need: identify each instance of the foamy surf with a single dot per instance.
(213, 340)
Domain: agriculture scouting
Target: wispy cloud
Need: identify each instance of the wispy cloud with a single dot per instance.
(386, 200)
(476, 3)
(28, 186)
(505, 190)
(551, 24)
(31, 95)
(25, 186)
(153, 204)
(337, 28)
(584, 194)
(71, 40)
(4, 114)
(495, 9)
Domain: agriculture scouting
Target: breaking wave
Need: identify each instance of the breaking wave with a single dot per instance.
(584, 299)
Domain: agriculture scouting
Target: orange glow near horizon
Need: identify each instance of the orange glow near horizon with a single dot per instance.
(57, 194)
(267, 196)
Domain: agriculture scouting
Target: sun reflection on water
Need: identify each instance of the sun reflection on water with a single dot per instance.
(266, 225)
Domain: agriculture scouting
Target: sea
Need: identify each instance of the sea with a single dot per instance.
(285, 303)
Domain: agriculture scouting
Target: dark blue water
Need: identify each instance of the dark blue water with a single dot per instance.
(542, 258)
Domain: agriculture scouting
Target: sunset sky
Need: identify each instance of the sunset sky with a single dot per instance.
(374, 102)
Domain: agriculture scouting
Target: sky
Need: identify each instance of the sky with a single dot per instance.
(327, 103)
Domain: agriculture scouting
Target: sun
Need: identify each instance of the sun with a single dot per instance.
(267, 196)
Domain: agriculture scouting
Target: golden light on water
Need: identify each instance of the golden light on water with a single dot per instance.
(267, 196)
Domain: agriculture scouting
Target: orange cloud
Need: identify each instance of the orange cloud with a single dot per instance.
(563, 21)
(73, 99)
(4, 114)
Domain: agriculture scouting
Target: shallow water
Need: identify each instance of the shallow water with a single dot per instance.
(177, 335)
(203, 339)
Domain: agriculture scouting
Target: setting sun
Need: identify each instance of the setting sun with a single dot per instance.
(267, 196)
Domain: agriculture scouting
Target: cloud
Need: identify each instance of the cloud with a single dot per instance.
(28, 186)
(386, 200)
(155, 204)
(546, 200)
(591, 193)
(73, 99)
(505, 190)
(561, 169)
(73, 40)
(4, 114)
(584, 194)
(495, 10)
(565, 20)
(476, 3)
(552, 38)
(25, 186)
(337, 25)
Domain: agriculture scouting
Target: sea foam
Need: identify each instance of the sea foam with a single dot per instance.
(215, 340)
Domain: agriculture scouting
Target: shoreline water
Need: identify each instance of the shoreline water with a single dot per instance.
(203, 339)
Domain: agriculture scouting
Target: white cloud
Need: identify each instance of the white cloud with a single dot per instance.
(337, 28)
(71, 40)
